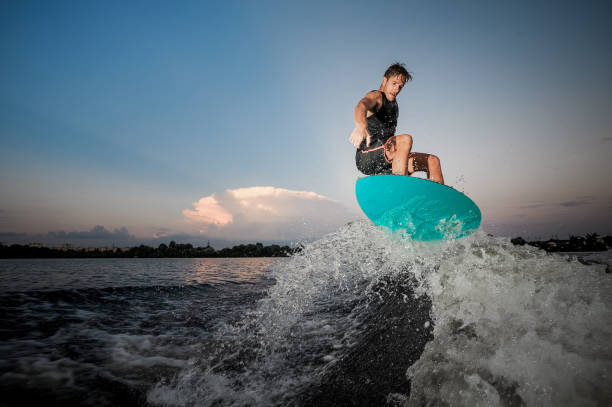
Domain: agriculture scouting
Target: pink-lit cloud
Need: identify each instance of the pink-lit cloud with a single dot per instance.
(208, 211)
(267, 213)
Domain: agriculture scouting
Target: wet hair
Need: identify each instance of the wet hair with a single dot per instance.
(398, 69)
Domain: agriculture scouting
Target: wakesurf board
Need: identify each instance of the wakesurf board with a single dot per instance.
(417, 208)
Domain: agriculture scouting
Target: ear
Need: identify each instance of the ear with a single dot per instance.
(384, 82)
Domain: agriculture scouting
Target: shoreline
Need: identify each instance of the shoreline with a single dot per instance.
(591, 242)
(172, 250)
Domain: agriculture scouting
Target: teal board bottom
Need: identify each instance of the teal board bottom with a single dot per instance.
(417, 208)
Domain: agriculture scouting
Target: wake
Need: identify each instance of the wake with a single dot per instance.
(360, 317)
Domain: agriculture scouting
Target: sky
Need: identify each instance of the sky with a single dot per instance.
(145, 121)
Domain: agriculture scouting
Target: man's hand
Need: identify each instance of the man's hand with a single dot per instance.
(358, 135)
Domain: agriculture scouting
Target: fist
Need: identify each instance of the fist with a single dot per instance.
(358, 135)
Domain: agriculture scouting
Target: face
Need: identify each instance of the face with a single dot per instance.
(393, 86)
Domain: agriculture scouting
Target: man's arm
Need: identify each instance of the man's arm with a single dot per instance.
(370, 103)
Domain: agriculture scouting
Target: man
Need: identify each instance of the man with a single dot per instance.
(379, 151)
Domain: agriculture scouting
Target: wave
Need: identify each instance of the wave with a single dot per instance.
(363, 318)
(515, 326)
(106, 347)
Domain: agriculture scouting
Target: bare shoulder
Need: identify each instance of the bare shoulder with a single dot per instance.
(373, 100)
(374, 95)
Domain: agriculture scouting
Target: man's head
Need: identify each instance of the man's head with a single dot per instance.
(394, 80)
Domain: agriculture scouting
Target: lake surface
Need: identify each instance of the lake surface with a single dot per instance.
(358, 318)
(60, 274)
(103, 331)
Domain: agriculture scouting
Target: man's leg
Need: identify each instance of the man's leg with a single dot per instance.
(403, 162)
(428, 163)
(398, 151)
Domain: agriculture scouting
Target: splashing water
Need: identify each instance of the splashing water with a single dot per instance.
(516, 326)
(350, 320)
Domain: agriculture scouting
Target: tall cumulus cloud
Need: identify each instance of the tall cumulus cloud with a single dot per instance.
(267, 213)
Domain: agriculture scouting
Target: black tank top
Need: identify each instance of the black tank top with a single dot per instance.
(381, 124)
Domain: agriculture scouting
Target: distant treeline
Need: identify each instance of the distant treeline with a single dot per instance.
(592, 242)
(174, 249)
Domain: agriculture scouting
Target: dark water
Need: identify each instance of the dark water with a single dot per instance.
(358, 318)
(103, 331)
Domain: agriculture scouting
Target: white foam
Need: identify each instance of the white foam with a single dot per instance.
(512, 325)
(45, 372)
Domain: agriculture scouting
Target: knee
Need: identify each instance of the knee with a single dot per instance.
(404, 140)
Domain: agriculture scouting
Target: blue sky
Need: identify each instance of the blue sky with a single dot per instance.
(127, 115)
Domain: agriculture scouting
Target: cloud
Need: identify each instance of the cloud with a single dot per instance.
(267, 213)
(580, 201)
(98, 236)
(97, 232)
(11, 235)
(572, 204)
(606, 139)
(162, 233)
(534, 205)
(209, 211)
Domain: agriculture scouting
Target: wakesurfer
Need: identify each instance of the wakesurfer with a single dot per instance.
(379, 150)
